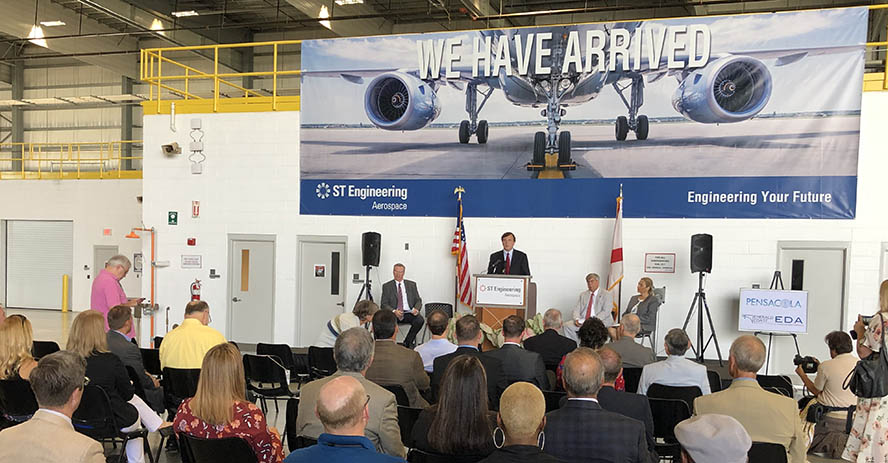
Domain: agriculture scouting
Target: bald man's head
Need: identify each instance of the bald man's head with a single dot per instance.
(342, 404)
(583, 373)
(748, 353)
(631, 324)
(612, 363)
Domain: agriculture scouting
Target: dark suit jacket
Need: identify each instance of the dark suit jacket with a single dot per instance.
(394, 364)
(634, 406)
(647, 311)
(518, 266)
(130, 355)
(551, 345)
(634, 355)
(521, 365)
(581, 429)
(105, 370)
(389, 298)
(496, 382)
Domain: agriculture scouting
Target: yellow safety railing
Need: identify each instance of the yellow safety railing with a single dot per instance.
(83, 160)
(176, 79)
(877, 81)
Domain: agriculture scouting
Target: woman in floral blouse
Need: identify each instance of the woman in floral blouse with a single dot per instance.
(219, 409)
(868, 442)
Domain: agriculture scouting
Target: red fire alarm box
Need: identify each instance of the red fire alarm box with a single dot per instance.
(192, 241)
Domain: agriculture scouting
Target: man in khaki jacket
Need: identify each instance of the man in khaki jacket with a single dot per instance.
(353, 352)
(57, 382)
(394, 364)
(766, 416)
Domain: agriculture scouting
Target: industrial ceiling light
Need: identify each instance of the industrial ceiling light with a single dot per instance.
(183, 14)
(52, 23)
(325, 13)
(349, 2)
(35, 36)
(156, 25)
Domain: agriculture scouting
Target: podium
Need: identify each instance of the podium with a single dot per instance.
(499, 296)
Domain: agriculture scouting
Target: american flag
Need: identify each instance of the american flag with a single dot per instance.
(615, 276)
(459, 249)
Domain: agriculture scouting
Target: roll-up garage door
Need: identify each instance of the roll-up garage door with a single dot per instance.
(38, 254)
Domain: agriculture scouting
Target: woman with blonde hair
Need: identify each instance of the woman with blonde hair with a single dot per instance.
(219, 409)
(644, 304)
(106, 370)
(16, 341)
(867, 442)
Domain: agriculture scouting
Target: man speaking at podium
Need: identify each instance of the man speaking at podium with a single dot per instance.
(509, 261)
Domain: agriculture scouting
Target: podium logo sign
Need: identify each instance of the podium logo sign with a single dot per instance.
(500, 291)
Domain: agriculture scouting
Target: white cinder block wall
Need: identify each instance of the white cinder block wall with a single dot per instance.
(250, 184)
(92, 205)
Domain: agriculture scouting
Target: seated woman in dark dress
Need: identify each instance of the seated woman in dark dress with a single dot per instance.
(459, 425)
(16, 340)
(521, 419)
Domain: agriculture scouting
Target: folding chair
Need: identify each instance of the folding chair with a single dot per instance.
(289, 435)
(321, 361)
(776, 383)
(667, 413)
(684, 393)
(632, 376)
(17, 401)
(151, 361)
(41, 349)
(226, 450)
(767, 452)
(430, 307)
(95, 418)
(407, 417)
(553, 399)
(715, 383)
(285, 353)
(267, 378)
(399, 392)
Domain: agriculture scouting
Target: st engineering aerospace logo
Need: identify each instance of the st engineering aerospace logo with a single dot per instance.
(363, 193)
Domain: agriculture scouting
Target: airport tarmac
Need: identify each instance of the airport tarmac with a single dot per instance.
(759, 147)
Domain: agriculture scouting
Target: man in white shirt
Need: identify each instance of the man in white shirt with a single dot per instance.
(596, 302)
(675, 370)
(439, 344)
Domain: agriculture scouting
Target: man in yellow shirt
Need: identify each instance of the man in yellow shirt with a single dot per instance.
(185, 346)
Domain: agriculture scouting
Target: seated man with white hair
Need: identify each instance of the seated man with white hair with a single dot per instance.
(633, 354)
(550, 343)
(716, 438)
(342, 407)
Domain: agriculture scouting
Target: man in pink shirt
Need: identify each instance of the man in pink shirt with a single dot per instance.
(106, 289)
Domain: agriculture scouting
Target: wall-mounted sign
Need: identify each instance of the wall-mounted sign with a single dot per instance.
(191, 261)
(320, 270)
(659, 262)
(173, 218)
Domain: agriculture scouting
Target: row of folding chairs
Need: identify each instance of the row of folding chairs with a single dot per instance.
(779, 384)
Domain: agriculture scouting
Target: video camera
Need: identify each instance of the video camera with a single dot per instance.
(866, 319)
(808, 363)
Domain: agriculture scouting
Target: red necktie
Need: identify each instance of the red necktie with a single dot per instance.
(589, 307)
(400, 297)
(508, 263)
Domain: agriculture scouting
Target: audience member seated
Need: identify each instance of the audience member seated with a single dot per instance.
(362, 314)
(634, 355)
(712, 438)
(218, 409)
(49, 436)
(676, 370)
(644, 305)
(120, 319)
(582, 429)
(519, 364)
(550, 343)
(439, 344)
(829, 433)
(766, 416)
(16, 341)
(521, 420)
(104, 369)
(353, 353)
(592, 334)
(469, 336)
(459, 425)
(625, 403)
(184, 347)
(402, 298)
(394, 364)
(343, 409)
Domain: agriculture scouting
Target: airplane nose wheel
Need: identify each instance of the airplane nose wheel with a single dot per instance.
(465, 132)
(482, 132)
(641, 128)
(539, 148)
(621, 128)
(564, 148)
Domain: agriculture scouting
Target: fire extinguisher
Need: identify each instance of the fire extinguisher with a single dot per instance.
(195, 290)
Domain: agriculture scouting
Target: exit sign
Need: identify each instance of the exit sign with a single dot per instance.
(172, 218)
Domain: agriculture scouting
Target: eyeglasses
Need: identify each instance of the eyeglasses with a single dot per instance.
(367, 401)
(85, 381)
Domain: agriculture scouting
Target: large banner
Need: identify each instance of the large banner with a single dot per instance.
(754, 116)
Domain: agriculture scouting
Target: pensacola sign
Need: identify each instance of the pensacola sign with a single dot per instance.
(729, 116)
(773, 310)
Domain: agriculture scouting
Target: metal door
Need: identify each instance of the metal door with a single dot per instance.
(321, 286)
(101, 254)
(251, 290)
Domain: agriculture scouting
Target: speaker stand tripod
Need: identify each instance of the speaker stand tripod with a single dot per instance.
(775, 280)
(699, 304)
(366, 288)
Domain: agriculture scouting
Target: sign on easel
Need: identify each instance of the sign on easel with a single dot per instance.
(773, 310)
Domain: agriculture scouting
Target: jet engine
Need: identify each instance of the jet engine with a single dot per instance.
(730, 89)
(399, 101)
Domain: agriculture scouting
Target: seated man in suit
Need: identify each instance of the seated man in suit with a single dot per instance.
(402, 297)
(766, 416)
(468, 338)
(634, 354)
(396, 365)
(439, 344)
(596, 302)
(625, 403)
(712, 438)
(343, 408)
(120, 321)
(57, 382)
(582, 429)
(675, 370)
(353, 353)
(519, 364)
(550, 343)
(509, 261)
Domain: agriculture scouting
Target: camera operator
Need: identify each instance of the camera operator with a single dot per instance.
(829, 433)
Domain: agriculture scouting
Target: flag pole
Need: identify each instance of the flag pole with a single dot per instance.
(620, 286)
(458, 191)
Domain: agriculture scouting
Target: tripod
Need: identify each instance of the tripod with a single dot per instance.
(699, 304)
(366, 287)
(775, 280)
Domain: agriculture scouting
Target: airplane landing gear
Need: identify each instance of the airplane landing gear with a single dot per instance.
(551, 141)
(635, 122)
(473, 126)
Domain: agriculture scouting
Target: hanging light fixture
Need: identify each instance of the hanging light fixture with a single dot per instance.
(325, 13)
(36, 34)
(156, 25)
